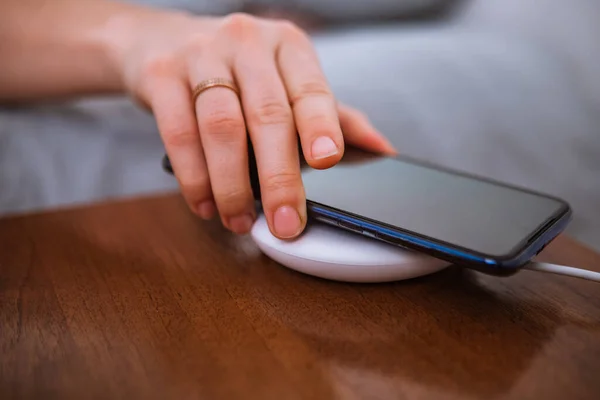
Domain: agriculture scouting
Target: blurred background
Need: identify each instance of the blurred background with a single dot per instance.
(508, 89)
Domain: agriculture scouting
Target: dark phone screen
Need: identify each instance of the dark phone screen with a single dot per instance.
(463, 211)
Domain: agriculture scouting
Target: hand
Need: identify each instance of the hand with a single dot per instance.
(283, 93)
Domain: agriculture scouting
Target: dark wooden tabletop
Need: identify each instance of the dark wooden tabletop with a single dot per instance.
(138, 299)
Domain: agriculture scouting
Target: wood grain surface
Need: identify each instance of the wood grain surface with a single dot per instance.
(138, 299)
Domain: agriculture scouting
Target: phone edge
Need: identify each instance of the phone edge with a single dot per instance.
(494, 265)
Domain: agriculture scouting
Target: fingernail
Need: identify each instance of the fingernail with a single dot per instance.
(287, 222)
(207, 209)
(323, 147)
(384, 144)
(241, 224)
(390, 147)
(388, 144)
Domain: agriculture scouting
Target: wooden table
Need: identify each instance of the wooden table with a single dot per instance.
(138, 299)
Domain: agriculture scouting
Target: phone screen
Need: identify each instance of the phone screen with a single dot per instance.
(485, 217)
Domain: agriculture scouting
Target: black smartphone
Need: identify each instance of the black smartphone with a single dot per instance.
(468, 220)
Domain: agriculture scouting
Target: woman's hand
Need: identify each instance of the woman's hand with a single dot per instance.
(283, 94)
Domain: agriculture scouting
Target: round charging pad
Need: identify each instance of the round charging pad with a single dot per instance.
(332, 253)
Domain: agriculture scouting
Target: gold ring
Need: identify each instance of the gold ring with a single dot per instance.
(214, 82)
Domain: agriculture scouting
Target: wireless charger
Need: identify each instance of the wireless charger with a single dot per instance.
(332, 253)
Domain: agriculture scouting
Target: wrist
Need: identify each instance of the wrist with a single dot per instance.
(72, 49)
(111, 41)
(121, 40)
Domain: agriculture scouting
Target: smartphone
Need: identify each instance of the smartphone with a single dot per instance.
(468, 220)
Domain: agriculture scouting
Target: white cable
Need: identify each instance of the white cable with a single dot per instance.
(564, 270)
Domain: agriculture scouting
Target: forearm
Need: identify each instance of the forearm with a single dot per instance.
(58, 48)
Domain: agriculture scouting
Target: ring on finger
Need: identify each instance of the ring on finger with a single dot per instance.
(214, 82)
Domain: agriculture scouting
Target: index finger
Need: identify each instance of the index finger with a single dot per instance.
(313, 104)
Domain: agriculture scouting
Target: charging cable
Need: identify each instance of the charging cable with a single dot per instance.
(564, 270)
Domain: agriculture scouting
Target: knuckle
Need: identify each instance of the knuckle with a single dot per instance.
(159, 66)
(197, 43)
(321, 119)
(286, 181)
(311, 88)
(233, 200)
(271, 112)
(240, 25)
(223, 125)
(291, 31)
(179, 135)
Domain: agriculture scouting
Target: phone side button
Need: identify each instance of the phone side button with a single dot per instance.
(349, 225)
(369, 233)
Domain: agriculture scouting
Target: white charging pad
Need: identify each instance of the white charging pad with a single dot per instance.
(332, 253)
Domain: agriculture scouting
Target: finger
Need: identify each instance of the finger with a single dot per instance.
(271, 126)
(313, 103)
(170, 102)
(224, 138)
(359, 132)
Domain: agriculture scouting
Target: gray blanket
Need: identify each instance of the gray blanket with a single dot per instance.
(514, 99)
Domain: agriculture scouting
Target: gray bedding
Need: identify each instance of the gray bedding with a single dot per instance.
(479, 92)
